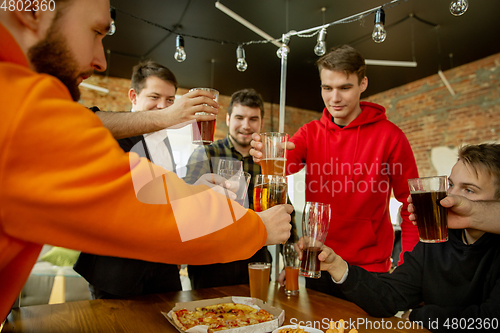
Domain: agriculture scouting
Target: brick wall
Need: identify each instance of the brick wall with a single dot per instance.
(117, 100)
(431, 117)
(425, 110)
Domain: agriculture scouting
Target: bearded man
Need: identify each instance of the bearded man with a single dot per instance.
(64, 180)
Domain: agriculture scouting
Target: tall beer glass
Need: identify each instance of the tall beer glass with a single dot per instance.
(315, 224)
(269, 191)
(273, 153)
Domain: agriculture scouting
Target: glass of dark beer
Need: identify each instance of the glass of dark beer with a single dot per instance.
(204, 131)
(432, 218)
(269, 191)
(273, 153)
(315, 224)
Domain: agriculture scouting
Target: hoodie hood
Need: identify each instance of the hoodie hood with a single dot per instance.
(370, 113)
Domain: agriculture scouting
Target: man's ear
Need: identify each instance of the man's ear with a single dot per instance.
(132, 95)
(30, 19)
(364, 84)
(227, 119)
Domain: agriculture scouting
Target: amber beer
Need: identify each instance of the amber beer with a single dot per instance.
(203, 132)
(268, 195)
(432, 218)
(273, 166)
(258, 274)
(292, 280)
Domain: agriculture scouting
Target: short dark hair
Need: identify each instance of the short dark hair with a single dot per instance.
(485, 157)
(247, 97)
(345, 59)
(149, 68)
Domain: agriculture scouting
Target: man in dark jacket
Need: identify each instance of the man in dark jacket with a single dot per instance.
(453, 285)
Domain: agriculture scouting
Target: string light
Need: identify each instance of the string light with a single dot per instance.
(379, 34)
(320, 48)
(112, 26)
(180, 53)
(241, 65)
(458, 7)
(284, 49)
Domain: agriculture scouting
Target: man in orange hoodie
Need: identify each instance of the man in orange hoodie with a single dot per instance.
(62, 173)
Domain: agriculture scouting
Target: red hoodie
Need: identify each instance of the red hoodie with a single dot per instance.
(354, 169)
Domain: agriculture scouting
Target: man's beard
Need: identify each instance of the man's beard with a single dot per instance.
(52, 56)
(239, 142)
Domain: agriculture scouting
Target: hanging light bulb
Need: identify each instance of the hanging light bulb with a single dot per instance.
(180, 54)
(240, 55)
(112, 26)
(320, 48)
(284, 49)
(458, 7)
(379, 34)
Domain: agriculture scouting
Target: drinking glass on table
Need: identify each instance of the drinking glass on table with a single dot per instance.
(204, 131)
(269, 191)
(292, 265)
(432, 218)
(258, 276)
(273, 160)
(315, 224)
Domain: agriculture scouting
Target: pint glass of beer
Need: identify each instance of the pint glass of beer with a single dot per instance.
(204, 131)
(258, 274)
(432, 218)
(292, 265)
(273, 153)
(315, 224)
(269, 191)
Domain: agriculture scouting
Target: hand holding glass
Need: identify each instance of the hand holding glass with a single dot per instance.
(204, 131)
(315, 224)
(432, 218)
(239, 183)
(273, 153)
(269, 191)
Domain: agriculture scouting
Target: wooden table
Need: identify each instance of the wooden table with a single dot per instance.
(142, 314)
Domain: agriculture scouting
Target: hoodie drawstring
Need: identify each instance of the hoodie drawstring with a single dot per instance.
(355, 152)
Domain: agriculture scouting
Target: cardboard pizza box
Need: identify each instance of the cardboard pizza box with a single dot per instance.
(268, 326)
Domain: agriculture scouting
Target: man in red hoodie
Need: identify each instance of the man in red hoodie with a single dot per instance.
(354, 158)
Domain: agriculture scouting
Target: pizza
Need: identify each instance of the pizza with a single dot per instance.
(220, 317)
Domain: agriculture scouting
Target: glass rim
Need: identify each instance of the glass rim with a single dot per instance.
(270, 179)
(317, 202)
(429, 177)
(274, 134)
(259, 263)
(204, 88)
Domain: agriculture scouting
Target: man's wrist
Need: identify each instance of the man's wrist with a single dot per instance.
(340, 272)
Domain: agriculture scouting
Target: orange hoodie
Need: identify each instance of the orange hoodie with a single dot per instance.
(65, 181)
